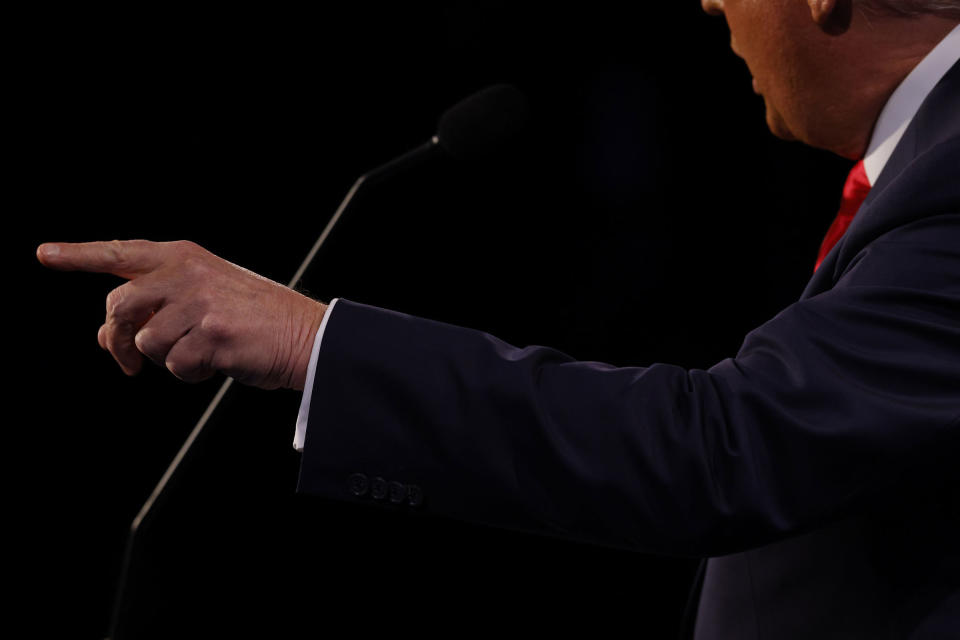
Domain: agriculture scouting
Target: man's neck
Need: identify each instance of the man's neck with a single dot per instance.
(905, 101)
(865, 67)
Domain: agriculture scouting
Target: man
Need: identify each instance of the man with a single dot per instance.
(815, 467)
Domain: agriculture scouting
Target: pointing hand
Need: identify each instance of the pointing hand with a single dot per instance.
(195, 313)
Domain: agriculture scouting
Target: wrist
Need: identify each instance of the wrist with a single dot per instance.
(310, 325)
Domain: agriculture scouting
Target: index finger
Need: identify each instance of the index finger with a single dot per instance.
(124, 258)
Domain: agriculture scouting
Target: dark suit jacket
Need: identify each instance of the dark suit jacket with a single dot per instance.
(817, 467)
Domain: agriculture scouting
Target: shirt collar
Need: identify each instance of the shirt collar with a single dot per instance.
(905, 101)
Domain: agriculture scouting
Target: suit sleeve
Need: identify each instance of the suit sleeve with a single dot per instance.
(820, 409)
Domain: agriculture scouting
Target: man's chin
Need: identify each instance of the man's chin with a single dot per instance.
(777, 126)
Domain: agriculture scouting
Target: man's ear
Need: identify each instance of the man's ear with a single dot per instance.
(833, 16)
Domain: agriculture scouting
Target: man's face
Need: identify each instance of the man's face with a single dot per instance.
(784, 50)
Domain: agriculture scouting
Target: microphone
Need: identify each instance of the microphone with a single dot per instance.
(472, 130)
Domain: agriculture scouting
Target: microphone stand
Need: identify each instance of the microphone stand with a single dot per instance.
(412, 158)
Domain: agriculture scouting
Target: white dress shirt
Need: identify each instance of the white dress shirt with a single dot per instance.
(896, 114)
(302, 417)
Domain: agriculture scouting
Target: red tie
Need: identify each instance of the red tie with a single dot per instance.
(855, 191)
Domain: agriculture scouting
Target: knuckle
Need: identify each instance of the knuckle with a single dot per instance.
(208, 298)
(186, 249)
(148, 343)
(189, 368)
(115, 300)
(179, 366)
(215, 328)
(115, 344)
(114, 248)
(108, 340)
(118, 255)
(193, 266)
(200, 270)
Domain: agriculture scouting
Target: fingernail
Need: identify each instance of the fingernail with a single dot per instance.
(50, 250)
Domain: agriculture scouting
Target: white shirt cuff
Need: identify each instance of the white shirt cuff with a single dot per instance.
(301, 432)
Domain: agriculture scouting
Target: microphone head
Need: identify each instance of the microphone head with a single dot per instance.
(478, 126)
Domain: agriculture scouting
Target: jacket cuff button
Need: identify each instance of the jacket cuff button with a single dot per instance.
(398, 491)
(414, 495)
(358, 484)
(378, 488)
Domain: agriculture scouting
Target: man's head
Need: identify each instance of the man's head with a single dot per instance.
(825, 68)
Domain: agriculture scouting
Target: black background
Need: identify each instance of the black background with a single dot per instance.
(646, 216)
